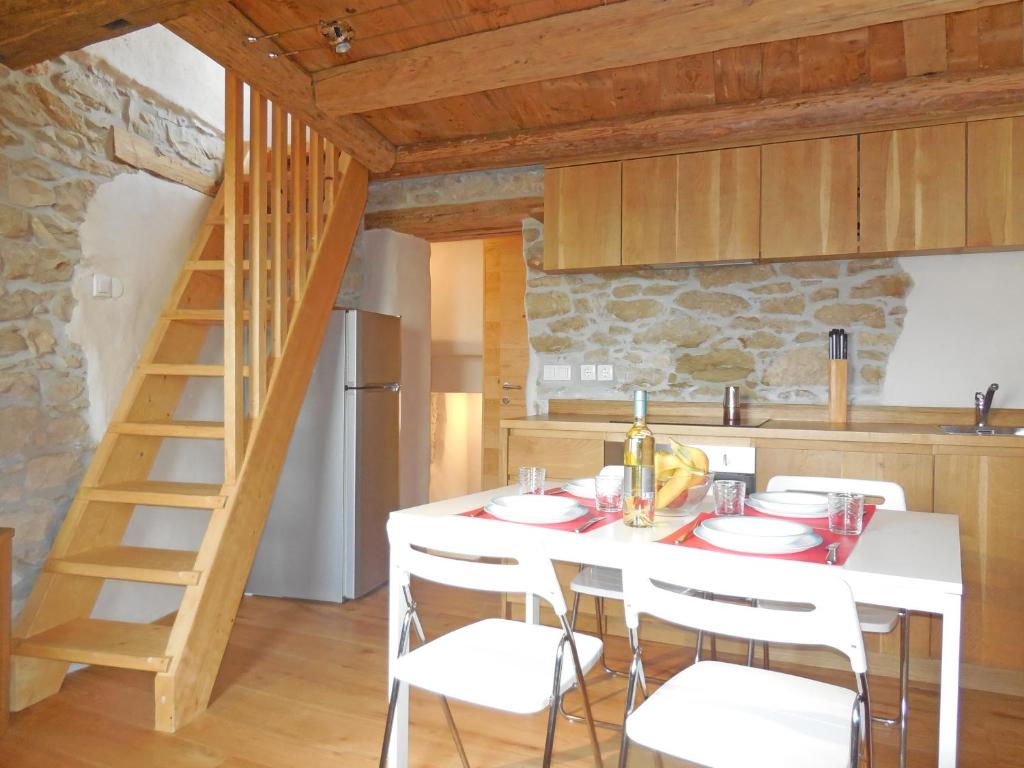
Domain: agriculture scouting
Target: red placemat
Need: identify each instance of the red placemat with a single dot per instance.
(569, 525)
(812, 555)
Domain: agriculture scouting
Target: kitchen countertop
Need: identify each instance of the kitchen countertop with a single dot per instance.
(774, 429)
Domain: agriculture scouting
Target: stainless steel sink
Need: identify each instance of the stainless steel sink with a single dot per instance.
(970, 429)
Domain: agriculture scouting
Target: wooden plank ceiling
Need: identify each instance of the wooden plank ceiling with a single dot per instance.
(405, 53)
(431, 86)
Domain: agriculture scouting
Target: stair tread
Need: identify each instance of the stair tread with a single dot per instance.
(187, 369)
(171, 428)
(160, 493)
(100, 641)
(149, 564)
(214, 265)
(199, 315)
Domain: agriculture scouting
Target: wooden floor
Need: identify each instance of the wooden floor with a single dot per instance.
(303, 684)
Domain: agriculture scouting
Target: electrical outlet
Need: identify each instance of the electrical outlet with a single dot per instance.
(588, 373)
(557, 373)
(605, 372)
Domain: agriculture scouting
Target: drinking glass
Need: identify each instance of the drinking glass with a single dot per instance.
(846, 513)
(608, 493)
(531, 479)
(729, 496)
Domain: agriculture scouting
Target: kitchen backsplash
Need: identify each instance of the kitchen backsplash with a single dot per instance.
(685, 333)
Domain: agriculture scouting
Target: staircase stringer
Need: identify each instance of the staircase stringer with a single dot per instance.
(207, 613)
(59, 598)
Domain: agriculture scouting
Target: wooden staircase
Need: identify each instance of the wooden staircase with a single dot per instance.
(293, 208)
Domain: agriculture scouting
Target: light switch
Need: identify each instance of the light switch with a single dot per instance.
(557, 373)
(102, 286)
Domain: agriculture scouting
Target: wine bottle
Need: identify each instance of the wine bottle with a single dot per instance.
(638, 458)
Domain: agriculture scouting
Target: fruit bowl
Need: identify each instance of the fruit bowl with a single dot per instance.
(696, 488)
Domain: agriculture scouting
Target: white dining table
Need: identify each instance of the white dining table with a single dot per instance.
(903, 560)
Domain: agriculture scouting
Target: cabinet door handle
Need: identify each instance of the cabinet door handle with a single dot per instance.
(507, 385)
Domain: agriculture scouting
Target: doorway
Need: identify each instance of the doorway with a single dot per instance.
(478, 359)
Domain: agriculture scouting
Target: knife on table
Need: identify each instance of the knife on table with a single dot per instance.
(686, 531)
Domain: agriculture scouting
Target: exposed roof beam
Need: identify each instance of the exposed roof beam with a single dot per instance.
(36, 30)
(623, 34)
(459, 221)
(924, 100)
(219, 31)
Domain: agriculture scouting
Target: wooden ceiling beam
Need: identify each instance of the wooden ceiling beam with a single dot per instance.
(924, 100)
(618, 35)
(219, 31)
(36, 30)
(459, 221)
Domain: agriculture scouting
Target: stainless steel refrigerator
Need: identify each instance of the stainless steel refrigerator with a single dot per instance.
(325, 538)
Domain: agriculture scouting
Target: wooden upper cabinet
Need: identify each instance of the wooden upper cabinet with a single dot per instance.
(995, 182)
(719, 205)
(698, 207)
(809, 198)
(583, 216)
(912, 189)
(649, 210)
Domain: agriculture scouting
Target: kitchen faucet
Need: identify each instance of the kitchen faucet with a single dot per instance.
(982, 405)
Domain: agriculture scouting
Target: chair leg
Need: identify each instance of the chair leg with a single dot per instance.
(556, 698)
(904, 683)
(700, 645)
(764, 653)
(869, 741)
(634, 674)
(904, 677)
(589, 715)
(389, 722)
(454, 731)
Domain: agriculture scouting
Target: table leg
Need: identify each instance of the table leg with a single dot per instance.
(949, 682)
(531, 609)
(398, 747)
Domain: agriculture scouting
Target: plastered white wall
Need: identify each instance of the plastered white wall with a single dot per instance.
(138, 228)
(963, 330)
(396, 281)
(161, 61)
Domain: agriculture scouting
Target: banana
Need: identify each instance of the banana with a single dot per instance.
(693, 458)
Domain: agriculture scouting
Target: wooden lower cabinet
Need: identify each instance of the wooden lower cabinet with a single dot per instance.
(985, 489)
(566, 455)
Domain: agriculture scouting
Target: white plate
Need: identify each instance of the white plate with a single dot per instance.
(534, 508)
(582, 487)
(791, 501)
(788, 511)
(758, 545)
(759, 527)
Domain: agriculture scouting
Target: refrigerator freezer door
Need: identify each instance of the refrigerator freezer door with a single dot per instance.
(371, 483)
(374, 348)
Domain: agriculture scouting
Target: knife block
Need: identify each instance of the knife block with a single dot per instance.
(837, 394)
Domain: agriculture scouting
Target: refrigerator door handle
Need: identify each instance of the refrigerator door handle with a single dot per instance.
(391, 387)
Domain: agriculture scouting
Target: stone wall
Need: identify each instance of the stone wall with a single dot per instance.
(685, 333)
(55, 121)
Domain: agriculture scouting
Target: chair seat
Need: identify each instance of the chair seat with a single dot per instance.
(597, 581)
(730, 716)
(873, 618)
(496, 663)
(877, 619)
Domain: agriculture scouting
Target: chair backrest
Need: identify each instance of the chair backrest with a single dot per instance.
(891, 494)
(418, 544)
(653, 569)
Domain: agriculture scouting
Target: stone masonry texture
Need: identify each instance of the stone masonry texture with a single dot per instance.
(55, 121)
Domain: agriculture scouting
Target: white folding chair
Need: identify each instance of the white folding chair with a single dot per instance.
(875, 619)
(602, 583)
(732, 716)
(505, 665)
